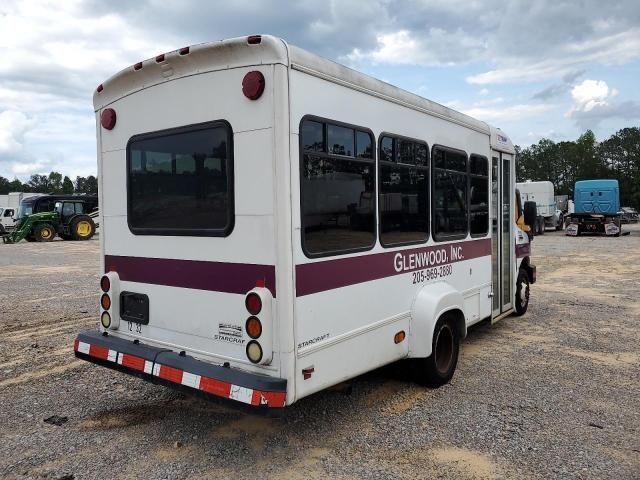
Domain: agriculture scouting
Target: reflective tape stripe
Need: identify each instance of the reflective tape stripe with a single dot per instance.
(191, 380)
(83, 347)
(175, 375)
(241, 394)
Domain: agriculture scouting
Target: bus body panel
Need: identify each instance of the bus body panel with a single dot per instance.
(188, 310)
(364, 317)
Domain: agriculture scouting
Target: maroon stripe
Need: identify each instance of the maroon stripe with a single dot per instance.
(326, 275)
(199, 275)
(523, 250)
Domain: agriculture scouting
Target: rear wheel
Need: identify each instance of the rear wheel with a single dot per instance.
(560, 223)
(44, 232)
(522, 293)
(83, 228)
(437, 369)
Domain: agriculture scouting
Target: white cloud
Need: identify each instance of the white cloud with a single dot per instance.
(590, 94)
(506, 113)
(13, 126)
(484, 92)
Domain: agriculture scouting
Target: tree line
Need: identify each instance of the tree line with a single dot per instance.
(52, 183)
(563, 163)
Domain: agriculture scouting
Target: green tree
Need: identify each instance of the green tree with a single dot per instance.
(4, 185)
(67, 185)
(39, 183)
(55, 182)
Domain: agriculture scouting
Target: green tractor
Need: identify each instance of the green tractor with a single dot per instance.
(68, 220)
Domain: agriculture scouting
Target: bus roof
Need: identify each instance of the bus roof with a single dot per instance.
(237, 52)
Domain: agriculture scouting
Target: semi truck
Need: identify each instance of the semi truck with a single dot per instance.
(596, 208)
(548, 213)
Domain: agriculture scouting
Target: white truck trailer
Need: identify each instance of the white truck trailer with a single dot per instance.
(549, 216)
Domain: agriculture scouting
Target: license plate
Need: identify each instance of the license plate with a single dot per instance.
(134, 307)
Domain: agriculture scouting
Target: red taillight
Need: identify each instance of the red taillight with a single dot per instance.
(184, 51)
(137, 66)
(105, 284)
(100, 88)
(253, 302)
(160, 58)
(253, 85)
(108, 118)
(254, 39)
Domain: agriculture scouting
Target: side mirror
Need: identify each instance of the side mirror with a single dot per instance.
(530, 214)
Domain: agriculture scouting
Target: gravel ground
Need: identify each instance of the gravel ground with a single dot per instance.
(553, 394)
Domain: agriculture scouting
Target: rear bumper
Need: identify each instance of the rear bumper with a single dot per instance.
(169, 368)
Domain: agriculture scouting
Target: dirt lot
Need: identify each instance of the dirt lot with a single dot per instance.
(553, 394)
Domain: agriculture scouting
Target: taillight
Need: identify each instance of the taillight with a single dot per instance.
(253, 302)
(253, 85)
(108, 118)
(105, 284)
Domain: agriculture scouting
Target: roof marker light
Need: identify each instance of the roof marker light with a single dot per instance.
(184, 51)
(100, 88)
(253, 85)
(137, 66)
(160, 58)
(254, 39)
(108, 118)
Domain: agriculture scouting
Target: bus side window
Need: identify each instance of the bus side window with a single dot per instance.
(450, 211)
(403, 186)
(336, 188)
(478, 195)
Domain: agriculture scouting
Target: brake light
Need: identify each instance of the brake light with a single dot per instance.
(108, 118)
(105, 283)
(253, 85)
(253, 303)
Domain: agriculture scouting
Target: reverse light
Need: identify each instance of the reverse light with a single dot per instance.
(253, 85)
(254, 351)
(105, 319)
(253, 327)
(253, 303)
(105, 301)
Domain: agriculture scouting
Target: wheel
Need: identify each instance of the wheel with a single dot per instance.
(44, 232)
(1, 228)
(522, 293)
(560, 224)
(438, 368)
(82, 227)
(542, 228)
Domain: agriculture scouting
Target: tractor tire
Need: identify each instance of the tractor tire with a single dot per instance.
(30, 238)
(82, 227)
(439, 367)
(45, 232)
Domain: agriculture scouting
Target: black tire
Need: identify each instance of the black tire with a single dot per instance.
(542, 228)
(1, 228)
(438, 368)
(30, 238)
(560, 224)
(44, 232)
(521, 300)
(82, 227)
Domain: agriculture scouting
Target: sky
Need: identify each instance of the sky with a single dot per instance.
(543, 68)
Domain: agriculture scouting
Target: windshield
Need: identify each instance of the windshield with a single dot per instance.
(25, 209)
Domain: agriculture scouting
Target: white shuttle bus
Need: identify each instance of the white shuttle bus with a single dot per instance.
(275, 223)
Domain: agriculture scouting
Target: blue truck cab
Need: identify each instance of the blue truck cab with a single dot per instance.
(596, 204)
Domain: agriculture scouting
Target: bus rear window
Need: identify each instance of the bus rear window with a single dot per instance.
(180, 181)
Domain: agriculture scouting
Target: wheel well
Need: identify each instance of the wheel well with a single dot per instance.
(459, 321)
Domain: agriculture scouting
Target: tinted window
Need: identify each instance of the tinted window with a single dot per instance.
(364, 148)
(337, 195)
(404, 192)
(340, 140)
(450, 183)
(180, 181)
(312, 136)
(479, 195)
